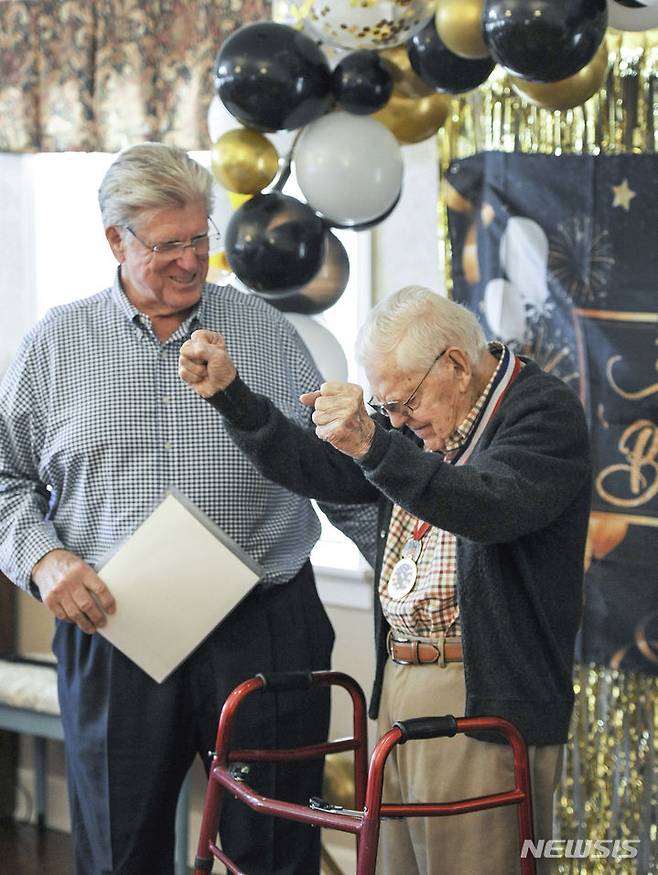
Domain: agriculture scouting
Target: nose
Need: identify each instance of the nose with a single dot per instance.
(188, 258)
(398, 419)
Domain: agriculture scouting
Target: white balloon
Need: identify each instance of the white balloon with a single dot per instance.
(327, 352)
(503, 307)
(349, 167)
(627, 18)
(524, 259)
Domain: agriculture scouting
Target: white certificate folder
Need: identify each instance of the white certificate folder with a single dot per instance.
(174, 580)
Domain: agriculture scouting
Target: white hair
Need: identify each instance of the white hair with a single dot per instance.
(414, 325)
(151, 176)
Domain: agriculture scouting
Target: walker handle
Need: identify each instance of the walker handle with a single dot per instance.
(426, 727)
(285, 681)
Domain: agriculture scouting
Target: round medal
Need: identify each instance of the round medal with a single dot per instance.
(411, 549)
(402, 579)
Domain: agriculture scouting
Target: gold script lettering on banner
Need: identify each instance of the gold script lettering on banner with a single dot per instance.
(639, 445)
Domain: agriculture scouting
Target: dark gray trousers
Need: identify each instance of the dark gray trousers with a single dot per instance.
(129, 741)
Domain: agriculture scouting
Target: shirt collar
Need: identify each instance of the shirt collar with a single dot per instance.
(460, 435)
(192, 322)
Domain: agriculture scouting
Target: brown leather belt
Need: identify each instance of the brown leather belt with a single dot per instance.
(425, 652)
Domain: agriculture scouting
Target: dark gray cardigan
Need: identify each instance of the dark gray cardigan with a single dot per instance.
(519, 509)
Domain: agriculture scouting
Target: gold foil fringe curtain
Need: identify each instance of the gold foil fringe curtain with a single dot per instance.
(621, 118)
(609, 786)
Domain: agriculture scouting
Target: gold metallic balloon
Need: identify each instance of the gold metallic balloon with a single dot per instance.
(412, 120)
(570, 92)
(459, 25)
(406, 83)
(244, 161)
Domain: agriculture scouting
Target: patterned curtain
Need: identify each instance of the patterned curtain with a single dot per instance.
(97, 75)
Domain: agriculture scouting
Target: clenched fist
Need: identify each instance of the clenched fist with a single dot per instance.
(205, 364)
(341, 418)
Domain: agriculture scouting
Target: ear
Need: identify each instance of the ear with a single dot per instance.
(114, 238)
(461, 365)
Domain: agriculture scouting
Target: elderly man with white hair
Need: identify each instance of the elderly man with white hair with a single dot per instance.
(479, 462)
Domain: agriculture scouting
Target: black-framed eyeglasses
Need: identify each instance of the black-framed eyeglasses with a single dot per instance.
(402, 407)
(202, 244)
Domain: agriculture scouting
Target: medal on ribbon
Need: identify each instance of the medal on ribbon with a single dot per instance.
(405, 571)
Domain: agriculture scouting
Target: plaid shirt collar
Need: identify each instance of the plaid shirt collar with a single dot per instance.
(461, 433)
(194, 320)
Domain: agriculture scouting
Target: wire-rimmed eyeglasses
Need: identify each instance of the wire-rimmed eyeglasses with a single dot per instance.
(402, 407)
(201, 245)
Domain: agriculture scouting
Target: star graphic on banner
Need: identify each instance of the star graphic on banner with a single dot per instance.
(624, 194)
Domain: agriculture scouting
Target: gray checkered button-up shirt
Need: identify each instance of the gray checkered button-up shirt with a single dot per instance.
(96, 425)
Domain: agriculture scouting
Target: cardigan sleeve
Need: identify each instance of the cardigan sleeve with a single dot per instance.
(287, 453)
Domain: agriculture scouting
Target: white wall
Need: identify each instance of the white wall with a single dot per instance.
(406, 245)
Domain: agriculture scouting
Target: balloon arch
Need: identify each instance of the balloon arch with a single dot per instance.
(334, 96)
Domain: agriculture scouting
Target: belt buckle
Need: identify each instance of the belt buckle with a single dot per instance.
(389, 648)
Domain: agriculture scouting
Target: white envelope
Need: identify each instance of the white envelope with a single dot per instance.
(173, 580)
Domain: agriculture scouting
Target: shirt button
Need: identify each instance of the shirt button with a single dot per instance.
(166, 399)
(168, 445)
(382, 534)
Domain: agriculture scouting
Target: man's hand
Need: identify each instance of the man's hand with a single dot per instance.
(205, 364)
(72, 590)
(341, 418)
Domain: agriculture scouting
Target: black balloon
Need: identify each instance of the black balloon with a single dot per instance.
(274, 243)
(362, 82)
(544, 40)
(325, 288)
(271, 77)
(442, 69)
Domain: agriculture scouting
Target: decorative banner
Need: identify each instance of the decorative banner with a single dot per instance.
(558, 256)
(609, 783)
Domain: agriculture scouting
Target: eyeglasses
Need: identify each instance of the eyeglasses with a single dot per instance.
(202, 244)
(403, 408)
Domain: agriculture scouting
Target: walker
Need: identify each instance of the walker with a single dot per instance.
(227, 772)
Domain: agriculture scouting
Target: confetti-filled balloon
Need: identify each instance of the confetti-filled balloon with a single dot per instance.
(366, 24)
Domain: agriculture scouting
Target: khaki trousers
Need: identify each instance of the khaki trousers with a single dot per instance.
(449, 769)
